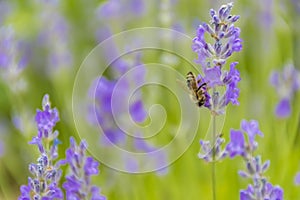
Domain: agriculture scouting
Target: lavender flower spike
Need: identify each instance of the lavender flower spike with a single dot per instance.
(78, 182)
(46, 172)
(213, 56)
(255, 168)
(225, 34)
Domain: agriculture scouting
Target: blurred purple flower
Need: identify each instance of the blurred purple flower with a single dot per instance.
(158, 159)
(14, 53)
(121, 9)
(286, 84)
(283, 108)
(54, 36)
(78, 182)
(5, 10)
(296, 4)
(265, 16)
(112, 99)
(103, 90)
(297, 179)
(2, 148)
(7, 42)
(14, 56)
(137, 111)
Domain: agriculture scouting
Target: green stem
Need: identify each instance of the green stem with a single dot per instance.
(213, 169)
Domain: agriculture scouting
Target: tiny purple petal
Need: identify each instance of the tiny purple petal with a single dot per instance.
(91, 166)
(243, 174)
(247, 194)
(96, 194)
(251, 128)
(266, 166)
(297, 179)
(283, 108)
(137, 111)
(277, 193)
(236, 146)
(213, 76)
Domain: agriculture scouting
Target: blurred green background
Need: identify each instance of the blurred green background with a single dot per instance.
(270, 30)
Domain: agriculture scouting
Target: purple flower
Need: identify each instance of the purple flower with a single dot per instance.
(5, 10)
(213, 76)
(213, 57)
(200, 46)
(78, 182)
(267, 192)
(47, 118)
(236, 146)
(46, 171)
(283, 108)
(233, 76)
(226, 36)
(137, 111)
(25, 191)
(286, 84)
(255, 168)
(54, 36)
(2, 148)
(7, 44)
(13, 59)
(91, 166)
(103, 91)
(207, 153)
(252, 129)
(297, 179)
(247, 194)
(296, 5)
(116, 9)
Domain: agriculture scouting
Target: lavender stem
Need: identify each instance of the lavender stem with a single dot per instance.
(213, 169)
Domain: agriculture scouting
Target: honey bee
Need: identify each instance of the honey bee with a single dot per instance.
(197, 93)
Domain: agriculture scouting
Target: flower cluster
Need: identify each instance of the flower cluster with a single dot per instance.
(211, 153)
(78, 182)
(286, 84)
(112, 103)
(13, 59)
(121, 9)
(105, 90)
(242, 143)
(213, 57)
(54, 35)
(46, 171)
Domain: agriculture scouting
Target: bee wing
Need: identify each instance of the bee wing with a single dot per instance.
(186, 89)
(183, 86)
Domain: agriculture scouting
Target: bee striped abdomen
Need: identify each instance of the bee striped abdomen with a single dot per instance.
(197, 93)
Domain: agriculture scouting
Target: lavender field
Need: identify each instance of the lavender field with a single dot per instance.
(152, 100)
